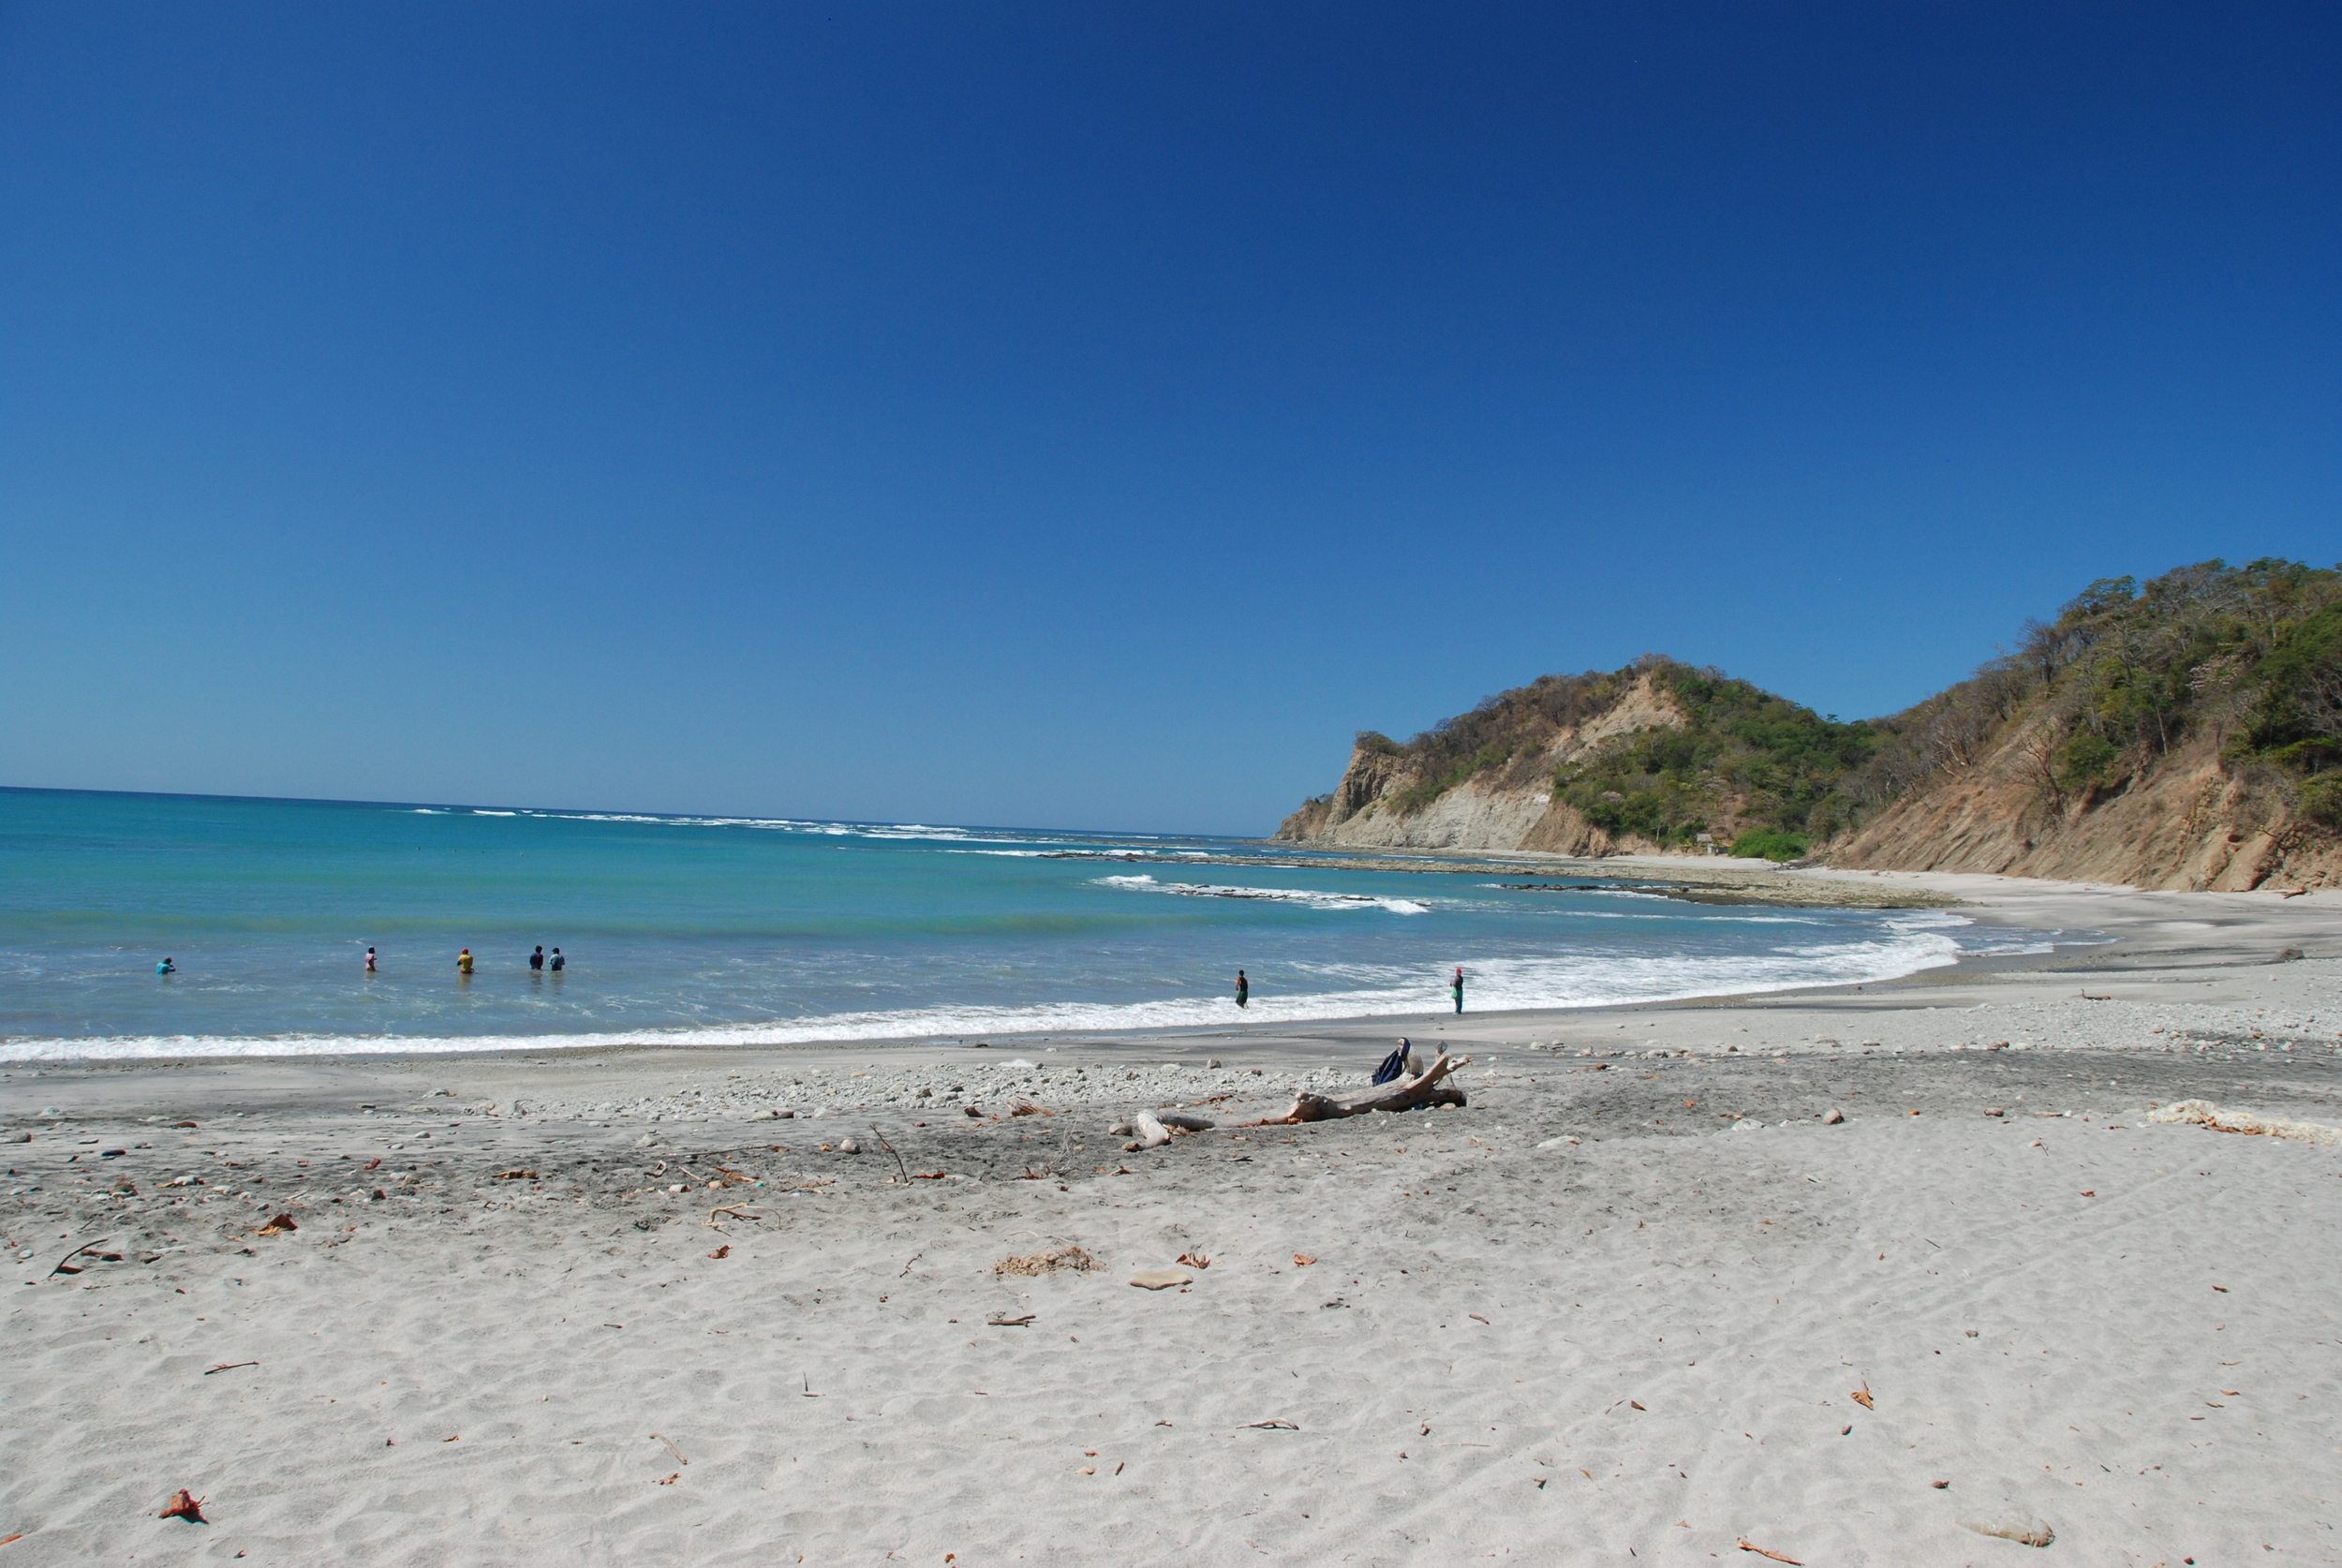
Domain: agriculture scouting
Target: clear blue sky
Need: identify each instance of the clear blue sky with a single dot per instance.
(1090, 415)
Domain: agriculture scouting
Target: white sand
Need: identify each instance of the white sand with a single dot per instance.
(1460, 1365)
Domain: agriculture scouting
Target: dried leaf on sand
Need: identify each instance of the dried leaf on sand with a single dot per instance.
(1744, 1544)
(183, 1506)
(1863, 1397)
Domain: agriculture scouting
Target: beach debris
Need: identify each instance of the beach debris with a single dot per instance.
(1159, 1279)
(2203, 1113)
(972, 1110)
(1194, 1260)
(1833, 1116)
(1400, 1094)
(902, 1171)
(228, 1366)
(1027, 1108)
(516, 1174)
(1025, 1321)
(184, 1506)
(1070, 1258)
(672, 1448)
(848, 1146)
(1302, 1260)
(1151, 1132)
(1278, 1425)
(723, 1251)
(669, 1481)
(67, 1266)
(1863, 1397)
(928, 1176)
(2024, 1529)
(1746, 1546)
(1939, 1485)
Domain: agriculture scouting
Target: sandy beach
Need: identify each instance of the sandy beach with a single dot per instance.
(637, 1306)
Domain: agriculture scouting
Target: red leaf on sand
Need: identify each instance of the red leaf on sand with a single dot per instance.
(278, 1226)
(723, 1251)
(1863, 1397)
(183, 1506)
(1302, 1260)
(1194, 1260)
(1760, 1551)
(371, 1165)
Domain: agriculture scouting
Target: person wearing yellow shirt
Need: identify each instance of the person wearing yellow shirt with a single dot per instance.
(462, 962)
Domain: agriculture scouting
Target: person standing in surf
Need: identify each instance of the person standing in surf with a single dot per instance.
(537, 959)
(463, 963)
(1243, 989)
(369, 960)
(1456, 985)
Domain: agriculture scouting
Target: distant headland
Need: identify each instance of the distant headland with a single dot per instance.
(2182, 734)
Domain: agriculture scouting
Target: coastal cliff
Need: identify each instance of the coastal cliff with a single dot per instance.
(2182, 734)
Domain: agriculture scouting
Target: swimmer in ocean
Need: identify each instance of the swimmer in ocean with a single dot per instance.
(165, 967)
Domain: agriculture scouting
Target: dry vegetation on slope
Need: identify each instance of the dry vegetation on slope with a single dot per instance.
(2186, 733)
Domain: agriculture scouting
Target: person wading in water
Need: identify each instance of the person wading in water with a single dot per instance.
(1243, 989)
(1457, 986)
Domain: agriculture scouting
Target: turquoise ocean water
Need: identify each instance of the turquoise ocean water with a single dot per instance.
(703, 930)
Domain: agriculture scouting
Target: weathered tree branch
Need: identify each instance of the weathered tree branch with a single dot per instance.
(1400, 1094)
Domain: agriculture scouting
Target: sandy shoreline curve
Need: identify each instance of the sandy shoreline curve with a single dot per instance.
(1622, 1301)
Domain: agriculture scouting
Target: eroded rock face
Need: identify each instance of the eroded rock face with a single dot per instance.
(1507, 806)
(2185, 824)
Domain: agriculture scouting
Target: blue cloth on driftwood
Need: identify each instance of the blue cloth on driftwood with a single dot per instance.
(1393, 1064)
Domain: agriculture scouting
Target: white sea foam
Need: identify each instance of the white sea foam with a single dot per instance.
(1305, 897)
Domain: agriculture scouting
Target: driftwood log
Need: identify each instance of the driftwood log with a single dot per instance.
(1426, 1087)
(1154, 1128)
